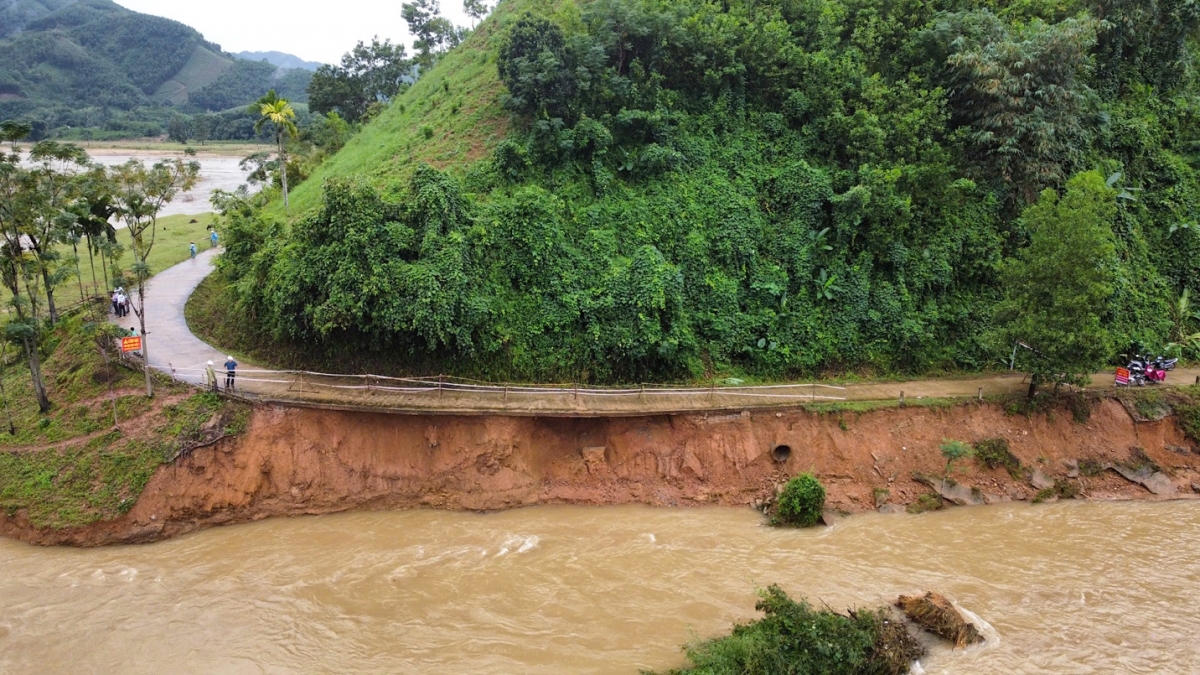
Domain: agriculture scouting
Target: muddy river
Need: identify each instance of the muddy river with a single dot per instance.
(1066, 588)
(217, 172)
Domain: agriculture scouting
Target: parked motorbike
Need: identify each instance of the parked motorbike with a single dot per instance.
(1156, 370)
(1143, 370)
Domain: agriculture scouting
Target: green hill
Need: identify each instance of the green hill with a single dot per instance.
(16, 14)
(95, 64)
(458, 102)
(659, 189)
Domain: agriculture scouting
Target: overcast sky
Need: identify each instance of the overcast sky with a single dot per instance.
(314, 30)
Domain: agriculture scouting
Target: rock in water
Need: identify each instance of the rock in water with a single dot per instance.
(936, 614)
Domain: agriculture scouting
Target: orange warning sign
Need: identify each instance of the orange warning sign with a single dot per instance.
(131, 344)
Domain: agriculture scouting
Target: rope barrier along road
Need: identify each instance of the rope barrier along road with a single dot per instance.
(799, 391)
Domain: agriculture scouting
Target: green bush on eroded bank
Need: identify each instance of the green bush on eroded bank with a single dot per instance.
(801, 502)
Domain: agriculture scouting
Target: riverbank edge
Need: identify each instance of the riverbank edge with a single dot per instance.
(294, 461)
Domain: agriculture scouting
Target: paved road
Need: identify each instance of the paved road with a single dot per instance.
(174, 349)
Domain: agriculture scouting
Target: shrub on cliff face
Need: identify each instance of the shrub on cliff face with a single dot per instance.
(1188, 411)
(801, 502)
(994, 453)
(793, 637)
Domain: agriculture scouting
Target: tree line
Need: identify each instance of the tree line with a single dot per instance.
(58, 201)
(371, 75)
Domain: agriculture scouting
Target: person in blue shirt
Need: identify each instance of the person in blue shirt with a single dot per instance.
(230, 373)
(192, 248)
(214, 238)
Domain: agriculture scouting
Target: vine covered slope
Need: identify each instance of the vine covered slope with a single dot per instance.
(666, 189)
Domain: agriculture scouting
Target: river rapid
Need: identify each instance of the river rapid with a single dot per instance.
(1066, 588)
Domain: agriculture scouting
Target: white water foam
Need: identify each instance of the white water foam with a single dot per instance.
(522, 544)
(991, 636)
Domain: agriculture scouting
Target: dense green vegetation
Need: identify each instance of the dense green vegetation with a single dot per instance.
(93, 69)
(797, 639)
(801, 503)
(72, 466)
(245, 81)
(778, 188)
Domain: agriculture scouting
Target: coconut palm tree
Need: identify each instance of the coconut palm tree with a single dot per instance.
(279, 114)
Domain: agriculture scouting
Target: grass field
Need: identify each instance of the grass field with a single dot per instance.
(161, 145)
(170, 248)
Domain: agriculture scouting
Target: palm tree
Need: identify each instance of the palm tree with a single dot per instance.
(279, 114)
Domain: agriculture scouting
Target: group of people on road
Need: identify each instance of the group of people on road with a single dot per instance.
(213, 238)
(210, 375)
(120, 303)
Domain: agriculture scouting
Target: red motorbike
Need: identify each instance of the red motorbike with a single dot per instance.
(1143, 371)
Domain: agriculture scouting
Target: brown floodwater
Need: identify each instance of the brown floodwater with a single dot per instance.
(1064, 588)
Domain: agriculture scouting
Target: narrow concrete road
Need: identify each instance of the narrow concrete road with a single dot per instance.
(173, 348)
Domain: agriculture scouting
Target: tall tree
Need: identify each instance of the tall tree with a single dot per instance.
(432, 31)
(533, 64)
(368, 73)
(139, 194)
(1057, 289)
(476, 9)
(12, 131)
(178, 129)
(202, 128)
(278, 113)
(56, 166)
(1022, 94)
(93, 215)
(19, 204)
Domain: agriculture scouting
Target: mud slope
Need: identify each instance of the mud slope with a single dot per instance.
(298, 461)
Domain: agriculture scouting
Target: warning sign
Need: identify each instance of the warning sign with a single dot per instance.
(131, 344)
(1123, 376)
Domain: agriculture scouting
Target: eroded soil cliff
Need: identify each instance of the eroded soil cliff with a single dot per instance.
(300, 461)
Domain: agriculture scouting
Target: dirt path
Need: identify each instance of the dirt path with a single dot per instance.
(174, 349)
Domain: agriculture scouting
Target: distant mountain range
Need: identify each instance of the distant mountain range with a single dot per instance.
(93, 63)
(280, 59)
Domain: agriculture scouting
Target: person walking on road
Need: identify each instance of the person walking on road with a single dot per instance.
(210, 377)
(214, 238)
(230, 373)
(192, 248)
(116, 307)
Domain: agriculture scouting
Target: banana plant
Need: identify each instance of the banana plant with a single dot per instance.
(1184, 227)
(1182, 318)
(827, 285)
(1124, 193)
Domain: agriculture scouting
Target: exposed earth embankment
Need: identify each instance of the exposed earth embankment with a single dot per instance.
(303, 461)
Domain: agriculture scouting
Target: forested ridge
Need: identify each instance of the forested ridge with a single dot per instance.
(775, 188)
(67, 66)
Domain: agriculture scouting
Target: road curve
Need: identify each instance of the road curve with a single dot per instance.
(172, 346)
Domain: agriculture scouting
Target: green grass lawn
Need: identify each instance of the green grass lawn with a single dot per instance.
(170, 248)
